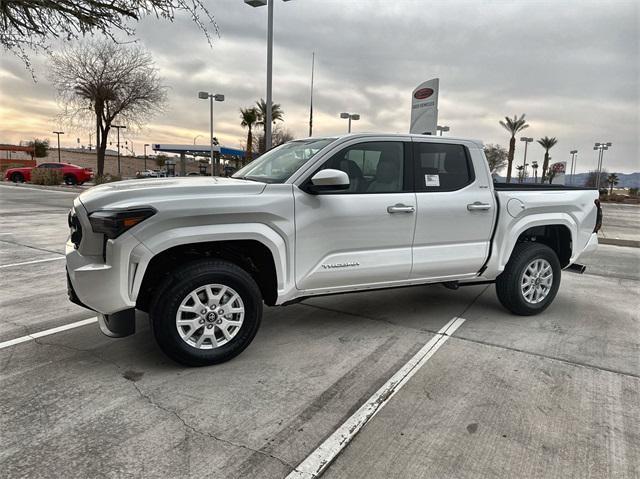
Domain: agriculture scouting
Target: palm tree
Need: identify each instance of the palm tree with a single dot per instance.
(276, 114)
(513, 126)
(612, 179)
(546, 143)
(249, 117)
(534, 165)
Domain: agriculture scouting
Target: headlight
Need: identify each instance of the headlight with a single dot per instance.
(112, 223)
(75, 228)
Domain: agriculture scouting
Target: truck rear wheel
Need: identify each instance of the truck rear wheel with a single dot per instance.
(530, 281)
(208, 314)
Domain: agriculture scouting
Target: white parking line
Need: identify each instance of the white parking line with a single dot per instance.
(48, 332)
(315, 464)
(31, 262)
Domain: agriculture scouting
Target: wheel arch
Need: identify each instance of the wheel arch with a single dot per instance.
(558, 234)
(254, 256)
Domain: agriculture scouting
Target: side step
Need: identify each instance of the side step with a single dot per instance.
(576, 268)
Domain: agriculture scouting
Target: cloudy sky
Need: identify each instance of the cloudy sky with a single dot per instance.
(571, 66)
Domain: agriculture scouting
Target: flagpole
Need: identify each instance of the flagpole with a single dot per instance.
(313, 61)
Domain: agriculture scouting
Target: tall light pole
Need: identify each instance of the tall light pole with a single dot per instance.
(145, 155)
(601, 147)
(442, 128)
(524, 162)
(203, 95)
(350, 116)
(58, 133)
(268, 120)
(118, 127)
(572, 170)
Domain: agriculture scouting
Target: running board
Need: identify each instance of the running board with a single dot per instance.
(456, 284)
(576, 268)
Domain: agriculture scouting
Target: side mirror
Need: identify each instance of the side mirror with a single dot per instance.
(325, 181)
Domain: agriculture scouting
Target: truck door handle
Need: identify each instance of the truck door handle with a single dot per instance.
(477, 206)
(400, 208)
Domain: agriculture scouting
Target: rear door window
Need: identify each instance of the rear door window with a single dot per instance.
(441, 166)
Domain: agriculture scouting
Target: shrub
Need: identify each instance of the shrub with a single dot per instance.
(45, 176)
(633, 191)
(98, 180)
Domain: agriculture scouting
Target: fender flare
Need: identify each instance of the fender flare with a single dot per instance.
(179, 236)
(532, 221)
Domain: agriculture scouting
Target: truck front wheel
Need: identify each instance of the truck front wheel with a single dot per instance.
(531, 279)
(208, 314)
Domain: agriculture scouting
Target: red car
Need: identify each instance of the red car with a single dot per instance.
(71, 174)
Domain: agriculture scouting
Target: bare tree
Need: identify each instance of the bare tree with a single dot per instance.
(30, 25)
(496, 157)
(592, 178)
(103, 82)
(279, 135)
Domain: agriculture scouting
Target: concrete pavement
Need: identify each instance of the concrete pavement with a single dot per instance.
(554, 395)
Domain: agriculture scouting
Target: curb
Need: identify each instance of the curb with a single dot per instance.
(66, 189)
(620, 242)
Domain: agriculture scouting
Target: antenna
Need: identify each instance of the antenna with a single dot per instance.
(313, 62)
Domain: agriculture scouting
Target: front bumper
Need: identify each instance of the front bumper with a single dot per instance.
(98, 285)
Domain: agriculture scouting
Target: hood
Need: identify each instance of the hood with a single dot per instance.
(125, 194)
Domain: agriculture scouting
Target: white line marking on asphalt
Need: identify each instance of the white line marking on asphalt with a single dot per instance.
(315, 464)
(48, 332)
(31, 262)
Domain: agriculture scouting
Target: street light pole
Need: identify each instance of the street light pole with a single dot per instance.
(59, 133)
(350, 116)
(203, 95)
(145, 155)
(573, 157)
(601, 147)
(269, 119)
(524, 162)
(118, 127)
(442, 128)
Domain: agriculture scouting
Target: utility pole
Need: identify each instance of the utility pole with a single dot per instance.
(58, 133)
(145, 155)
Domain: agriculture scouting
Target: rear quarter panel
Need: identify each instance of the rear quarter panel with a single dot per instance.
(520, 210)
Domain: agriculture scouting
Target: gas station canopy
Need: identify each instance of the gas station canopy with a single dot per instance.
(198, 149)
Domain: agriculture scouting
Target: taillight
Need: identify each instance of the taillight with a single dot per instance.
(598, 216)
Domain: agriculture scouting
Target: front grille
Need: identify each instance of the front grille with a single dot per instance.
(75, 228)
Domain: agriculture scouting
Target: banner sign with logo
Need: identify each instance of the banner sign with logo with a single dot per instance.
(557, 172)
(424, 108)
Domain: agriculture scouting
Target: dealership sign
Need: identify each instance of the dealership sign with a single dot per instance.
(424, 108)
(557, 172)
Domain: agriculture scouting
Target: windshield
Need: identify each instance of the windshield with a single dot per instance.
(278, 164)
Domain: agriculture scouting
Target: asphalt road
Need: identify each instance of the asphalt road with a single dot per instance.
(555, 395)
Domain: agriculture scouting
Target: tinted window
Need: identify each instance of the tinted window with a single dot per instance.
(373, 167)
(441, 167)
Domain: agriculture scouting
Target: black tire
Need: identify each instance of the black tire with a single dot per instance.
(17, 178)
(188, 278)
(508, 284)
(70, 180)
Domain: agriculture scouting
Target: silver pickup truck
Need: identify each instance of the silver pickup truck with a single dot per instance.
(314, 217)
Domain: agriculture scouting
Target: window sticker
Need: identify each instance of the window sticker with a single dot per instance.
(432, 180)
